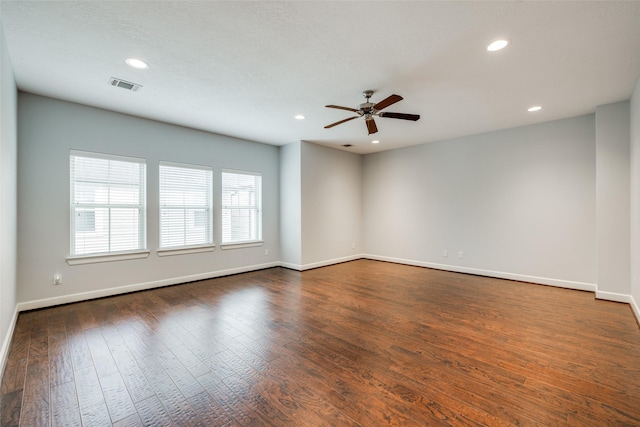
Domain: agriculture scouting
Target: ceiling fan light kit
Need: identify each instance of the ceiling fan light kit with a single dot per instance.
(368, 110)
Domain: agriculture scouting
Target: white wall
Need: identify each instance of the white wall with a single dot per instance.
(519, 203)
(331, 205)
(49, 128)
(290, 205)
(8, 198)
(635, 198)
(612, 201)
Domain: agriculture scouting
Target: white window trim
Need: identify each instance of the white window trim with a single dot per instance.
(185, 165)
(105, 156)
(184, 250)
(250, 243)
(240, 245)
(97, 258)
(241, 172)
(115, 256)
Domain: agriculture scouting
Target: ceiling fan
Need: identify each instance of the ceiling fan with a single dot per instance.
(368, 110)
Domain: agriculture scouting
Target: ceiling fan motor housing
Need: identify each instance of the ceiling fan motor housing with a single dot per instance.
(367, 107)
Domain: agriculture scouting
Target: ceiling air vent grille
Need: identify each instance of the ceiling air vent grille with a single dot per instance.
(124, 84)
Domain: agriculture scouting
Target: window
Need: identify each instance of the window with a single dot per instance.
(241, 207)
(85, 220)
(107, 204)
(185, 205)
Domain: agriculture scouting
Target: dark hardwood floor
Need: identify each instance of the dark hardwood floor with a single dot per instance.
(362, 343)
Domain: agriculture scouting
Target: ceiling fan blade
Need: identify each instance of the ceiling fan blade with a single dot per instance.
(371, 126)
(402, 116)
(340, 122)
(391, 99)
(342, 108)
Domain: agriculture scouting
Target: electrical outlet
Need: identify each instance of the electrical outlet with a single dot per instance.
(57, 279)
(266, 252)
(460, 254)
(353, 245)
(445, 253)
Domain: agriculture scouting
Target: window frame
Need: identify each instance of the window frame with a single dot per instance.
(185, 249)
(141, 251)
(236, 244)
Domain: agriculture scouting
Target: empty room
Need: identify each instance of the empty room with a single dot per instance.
(319, 213)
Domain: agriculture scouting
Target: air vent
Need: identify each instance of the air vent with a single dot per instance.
(124, 84)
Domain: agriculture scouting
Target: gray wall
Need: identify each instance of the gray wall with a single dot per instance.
(612, 199)
(8, 198)
(331, 204)
(519, 203)
(290, 205)
(49, 128)
(635, 197)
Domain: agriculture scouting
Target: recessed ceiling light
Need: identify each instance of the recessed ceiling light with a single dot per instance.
(375, 141)
(299, 117)
(497, 45)
(136, 63)
(534, 108)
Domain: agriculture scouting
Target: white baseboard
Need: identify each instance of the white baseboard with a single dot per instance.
(490, 273)
(331, 262)
(635, 308)
(83, 296)
(297, 267)
(6, 342)
(613, 296)
(303, 267)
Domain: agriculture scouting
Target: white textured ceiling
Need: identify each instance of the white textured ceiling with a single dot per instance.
(246, 68)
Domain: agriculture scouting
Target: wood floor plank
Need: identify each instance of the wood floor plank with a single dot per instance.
(232, 404)
(102, 358)
(180, 375)
(209, 410)
(65, 410)
(132, 420)
(116, 396)
(96, 415)
(14, 375)
(36, 395)
(10, 408)
(60, 361)
(131, 374)
(80, 351)
(152, 413)
(168, 392)
(88, 389)
(16, 365)
(362, 343)
(244, 389)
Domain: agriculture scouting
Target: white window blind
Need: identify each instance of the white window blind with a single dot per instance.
(185, 205)
(241, 207)
(108, 204)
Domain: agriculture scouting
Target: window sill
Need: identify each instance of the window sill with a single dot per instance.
(185, 251)
(241, 245)
(93, 259)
